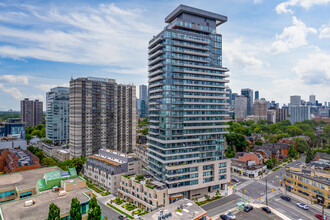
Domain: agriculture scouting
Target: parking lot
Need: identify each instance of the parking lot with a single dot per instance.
(256, 214)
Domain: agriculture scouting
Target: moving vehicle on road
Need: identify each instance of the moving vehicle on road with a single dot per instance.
(248, 208)
(286, 198)
(302, 206)
(321, 217)
(266, 209)
(224, 217)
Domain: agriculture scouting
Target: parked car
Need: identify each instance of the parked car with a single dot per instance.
(266, 209)
(302, 206)
(321, 217)
(248, 208)
(236, 180)
(231, 215)
(224, 217)
(287, 198)
(122, 217)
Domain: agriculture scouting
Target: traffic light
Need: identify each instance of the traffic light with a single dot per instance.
(244, 190)
(272, 190)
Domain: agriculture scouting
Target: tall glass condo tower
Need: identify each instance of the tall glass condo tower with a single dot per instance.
(187, 104)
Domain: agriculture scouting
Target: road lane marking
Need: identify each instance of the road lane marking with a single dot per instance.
(294, 208)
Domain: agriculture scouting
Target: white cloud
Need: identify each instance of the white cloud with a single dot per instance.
(324, 32)
(14, 79)
(257, 1)
(14, 92)
(292, 37)
(284, 6)
(105, 35)
(47, 87)
(241, 55)
(315, 69)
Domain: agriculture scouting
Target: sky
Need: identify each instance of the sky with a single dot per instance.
(278, 47)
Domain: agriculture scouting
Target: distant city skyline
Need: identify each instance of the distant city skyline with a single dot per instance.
(285, 52)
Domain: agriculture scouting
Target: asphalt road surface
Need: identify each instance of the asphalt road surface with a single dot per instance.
(256, 214)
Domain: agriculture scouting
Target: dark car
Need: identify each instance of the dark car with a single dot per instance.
(266, 209)
(286, 198)
(320, 217)
(248, 208)
(225, 217)
(122, 217)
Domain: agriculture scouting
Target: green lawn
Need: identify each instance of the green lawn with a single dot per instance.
(120, 211)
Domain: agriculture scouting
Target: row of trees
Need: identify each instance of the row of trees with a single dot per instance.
(94, 212)
(5, 115)
(64, 165)
(273, 132)
(39, 131)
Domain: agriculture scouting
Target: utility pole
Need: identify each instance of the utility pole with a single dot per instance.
(266, 193)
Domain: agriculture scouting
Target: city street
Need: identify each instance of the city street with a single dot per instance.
(106, 210)
(250, 190)
(256, 214)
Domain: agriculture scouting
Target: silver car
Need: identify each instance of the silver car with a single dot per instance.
(302, 206)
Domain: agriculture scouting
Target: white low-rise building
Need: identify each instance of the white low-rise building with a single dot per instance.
(106, 168)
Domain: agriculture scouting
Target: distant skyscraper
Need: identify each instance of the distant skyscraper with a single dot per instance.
(271, 115)
(295, 100)
(228, 95)
(312, 99)
(143, 96)
(57, 114)
(282, 114)
(256, 95)
(260, 109)
(240, 107)
(248, 93)
(31, 112)
(102, 115)
(186, 105)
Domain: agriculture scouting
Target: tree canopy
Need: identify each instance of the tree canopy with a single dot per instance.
(75, 213)
(94, 212)
(54, 212)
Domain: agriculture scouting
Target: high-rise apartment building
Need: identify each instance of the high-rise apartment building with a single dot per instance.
(248, 93)
(31, 112)
(299, 113)
(282, 114)
(260, 110)
(102, 115)
(57, 114)
(295, 100)
(187, 104)
(256, 95)
(240, 107)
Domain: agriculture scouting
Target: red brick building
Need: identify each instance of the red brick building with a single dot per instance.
(15, 160)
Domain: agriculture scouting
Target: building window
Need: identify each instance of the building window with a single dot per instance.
(222, 164)
(306, 181)
(6, 194)
(26, 194)
(222, 177)
(321, 186)
(150, 195)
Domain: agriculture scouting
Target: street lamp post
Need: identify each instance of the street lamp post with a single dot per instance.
(266, 193)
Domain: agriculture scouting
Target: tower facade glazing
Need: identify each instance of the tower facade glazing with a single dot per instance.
(187, 104)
